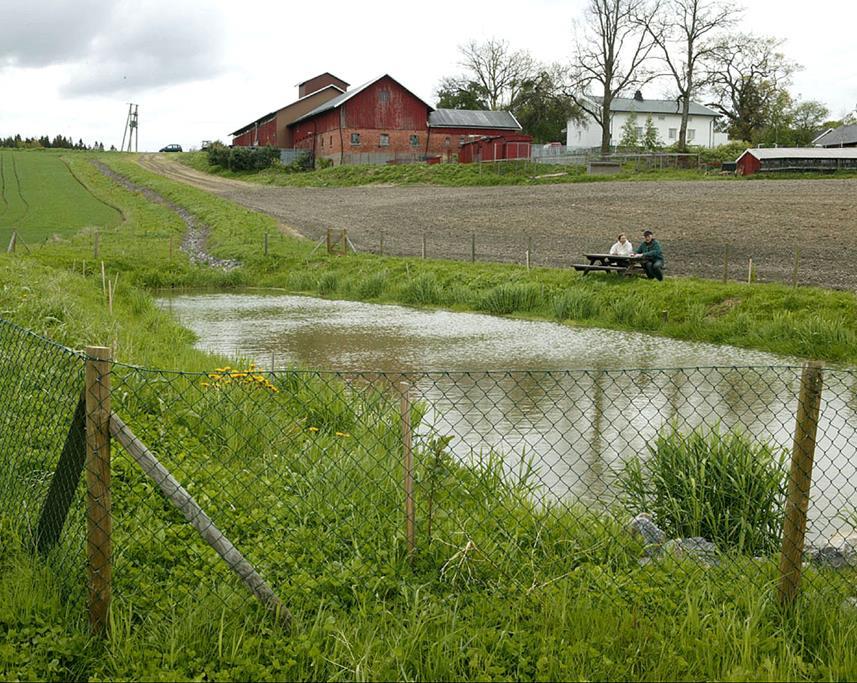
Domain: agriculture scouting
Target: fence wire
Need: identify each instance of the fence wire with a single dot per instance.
(518, 478)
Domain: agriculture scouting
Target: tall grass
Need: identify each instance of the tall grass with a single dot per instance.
(721, 486)
(508, 298)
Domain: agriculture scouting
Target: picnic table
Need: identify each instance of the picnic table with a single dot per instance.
(612, 263)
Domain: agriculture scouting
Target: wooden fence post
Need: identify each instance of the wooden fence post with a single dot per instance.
(344, 239)
(329, 242)
(726, 264)
(800, 479)
(424, 246)
(750, 273)
(408, 462)
(797, 262)
(266, 242)
(12, 241)
(99, 545)
(381, 245)
(473, 247)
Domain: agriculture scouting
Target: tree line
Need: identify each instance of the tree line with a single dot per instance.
(623, 45)
(57, 142)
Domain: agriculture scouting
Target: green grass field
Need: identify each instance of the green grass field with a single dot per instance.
(561, 599)
(41, 198)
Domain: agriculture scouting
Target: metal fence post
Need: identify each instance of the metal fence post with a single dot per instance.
(408, 463)
(800, 479)
(99, 544)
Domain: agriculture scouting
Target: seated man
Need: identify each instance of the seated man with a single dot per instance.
(623, 246)
(654, 263)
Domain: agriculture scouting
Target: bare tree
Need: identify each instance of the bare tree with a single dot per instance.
(747, 75)
(499, 70)
(609, 52)
(685, 33)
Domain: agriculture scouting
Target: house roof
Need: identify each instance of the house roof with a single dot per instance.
(326, 73)
(471, 118)
(268, 117)
(629, 104)
(344, 97)
(802, 153)
(844, 135)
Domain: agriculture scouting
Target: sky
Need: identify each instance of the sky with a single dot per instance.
(199, 69)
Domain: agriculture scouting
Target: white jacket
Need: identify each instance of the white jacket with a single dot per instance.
(620, 249)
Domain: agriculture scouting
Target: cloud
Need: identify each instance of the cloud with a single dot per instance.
(111, 46)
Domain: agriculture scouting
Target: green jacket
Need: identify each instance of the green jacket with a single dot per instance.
(652, 250)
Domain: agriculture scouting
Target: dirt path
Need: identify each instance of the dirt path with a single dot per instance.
(196, 236)
(697, 222)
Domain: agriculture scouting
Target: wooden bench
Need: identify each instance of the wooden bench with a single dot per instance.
(611, 263)
(603, 269)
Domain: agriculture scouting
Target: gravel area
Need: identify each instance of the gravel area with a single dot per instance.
(697, 222)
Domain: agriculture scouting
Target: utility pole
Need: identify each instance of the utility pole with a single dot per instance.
(131, 129)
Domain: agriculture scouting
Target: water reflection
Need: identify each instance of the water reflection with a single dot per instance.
(569, 405)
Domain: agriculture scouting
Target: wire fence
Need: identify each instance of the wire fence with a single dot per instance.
(242, 482)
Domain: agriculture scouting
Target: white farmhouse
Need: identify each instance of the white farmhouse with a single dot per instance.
(666, 115)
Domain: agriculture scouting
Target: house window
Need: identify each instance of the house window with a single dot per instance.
(662, 118)
(383, 95)
(385, 140)
(639, 131)
(691, 134)
(355, 138)
(415, 140)
(673, 133)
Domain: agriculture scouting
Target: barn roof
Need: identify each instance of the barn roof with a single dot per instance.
(326, 73)
(268, 117)
(344, 97)
(471, 118)
(844, 135)
(629, 104)
(802, 153)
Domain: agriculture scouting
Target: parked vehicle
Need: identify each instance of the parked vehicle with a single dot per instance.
(171, 148)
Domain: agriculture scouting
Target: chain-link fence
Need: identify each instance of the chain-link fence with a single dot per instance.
(242, 481)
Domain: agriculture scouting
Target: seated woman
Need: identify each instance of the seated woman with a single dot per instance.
(622, 247)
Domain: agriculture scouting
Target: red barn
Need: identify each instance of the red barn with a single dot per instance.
(495, 148)
(378, 117)
(377, 122)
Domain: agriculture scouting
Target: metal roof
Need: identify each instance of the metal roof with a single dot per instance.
(844, 135)
(471, 118)
(802, 153)
(344, 97)
(326, 73)
(268, 117)
(654, 106)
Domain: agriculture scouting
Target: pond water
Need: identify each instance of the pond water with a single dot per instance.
(574, 402)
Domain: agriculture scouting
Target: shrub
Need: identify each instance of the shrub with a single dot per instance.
(508, 298)
(328, 283)
(242, 158)
(576, 304)
(423, 289)
(723, 487)
(323, 162)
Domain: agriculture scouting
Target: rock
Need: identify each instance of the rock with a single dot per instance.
(695, 548)
(839, 553)
(653, 537)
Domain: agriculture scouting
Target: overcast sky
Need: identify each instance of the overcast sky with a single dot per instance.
(202, 68)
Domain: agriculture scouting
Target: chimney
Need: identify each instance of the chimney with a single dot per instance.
(638, 96)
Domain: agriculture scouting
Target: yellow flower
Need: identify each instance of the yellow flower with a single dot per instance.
(342, 434)
(313, 429)
(206, 384)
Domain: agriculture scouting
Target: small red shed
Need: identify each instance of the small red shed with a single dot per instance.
(494, 148)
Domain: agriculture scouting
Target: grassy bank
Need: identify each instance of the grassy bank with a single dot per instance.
(472, 175)
(304, 481)
(805, 322)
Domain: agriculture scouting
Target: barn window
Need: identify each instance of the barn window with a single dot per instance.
(415, 140)
(383, 95)
(446, 141)
(691, 134)
(673, 133)
(385, 140)
(331, 141)
(321, 137)
(355, 138)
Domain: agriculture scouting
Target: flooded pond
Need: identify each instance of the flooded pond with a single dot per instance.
(576, 403)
